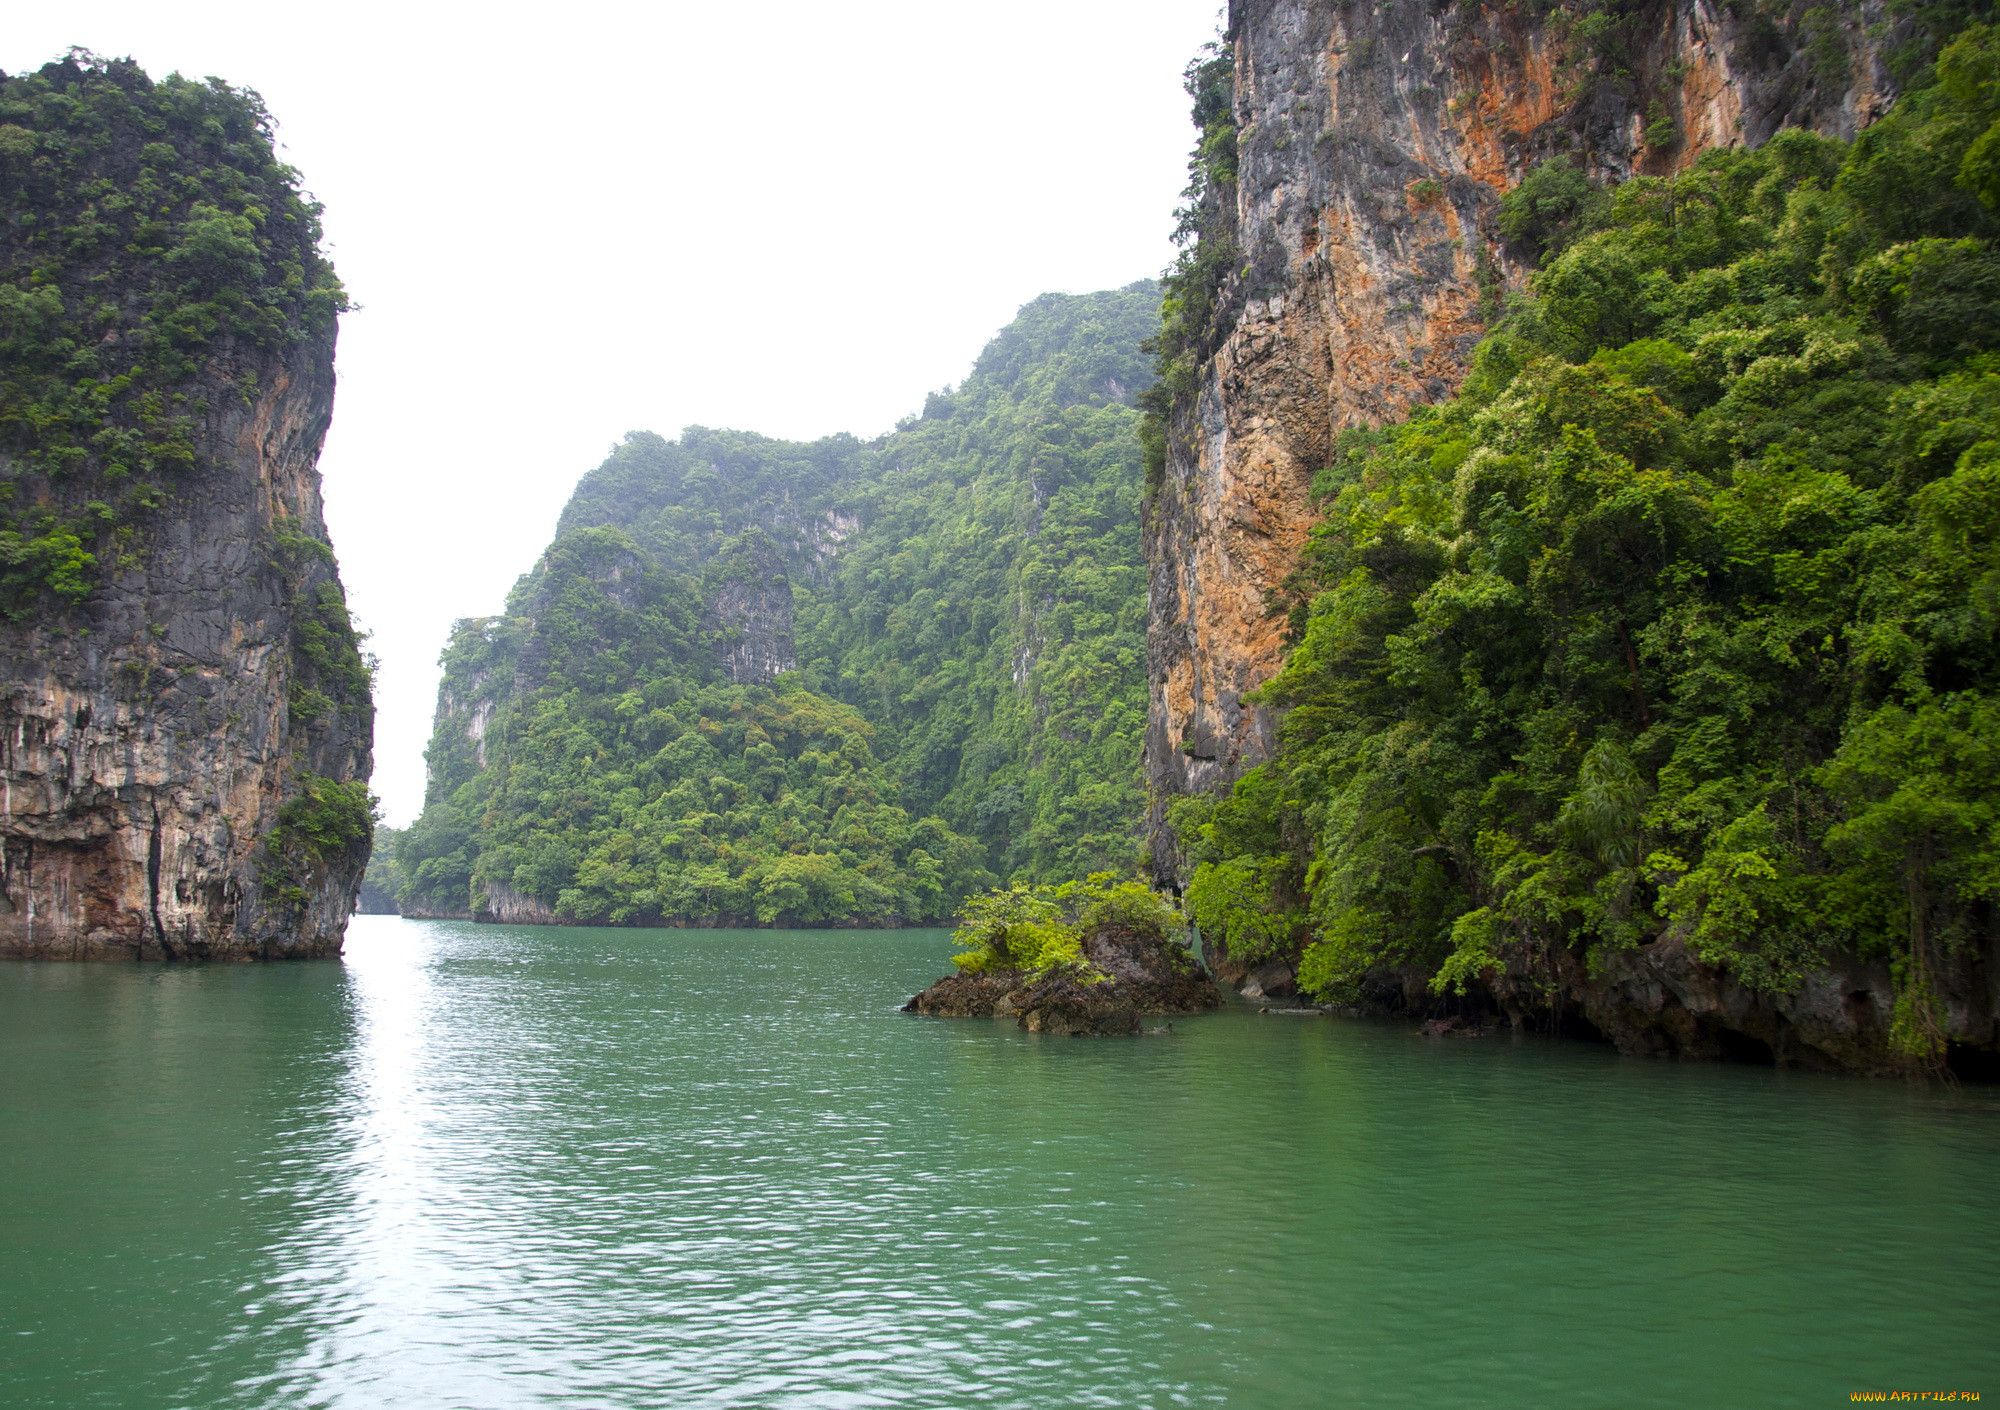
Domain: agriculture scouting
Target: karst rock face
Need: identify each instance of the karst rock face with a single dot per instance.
(184, 718)
(1373, 143)
(147, 735)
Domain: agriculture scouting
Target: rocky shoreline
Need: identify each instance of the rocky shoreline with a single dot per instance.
(1660, 1000)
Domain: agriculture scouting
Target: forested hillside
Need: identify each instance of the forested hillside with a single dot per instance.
(1679, 622)
(817, 684)
(989, 613)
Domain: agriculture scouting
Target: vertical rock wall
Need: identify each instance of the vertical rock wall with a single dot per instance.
(147, 738)
(1374, 142)
(752, 610)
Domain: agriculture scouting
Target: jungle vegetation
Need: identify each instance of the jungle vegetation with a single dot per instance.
(152, 246)
(384, 877)
(988, 613)
(959, 606)
(1038, 930)
(1681, 617)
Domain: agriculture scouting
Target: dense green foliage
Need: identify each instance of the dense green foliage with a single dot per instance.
(329, 675)
(1039, 930)
(324, 819)
(1682, 615)
(1555, 203)
(147, 234)
(626, 780)
(384, 877)
(988, 613)
(964, 600)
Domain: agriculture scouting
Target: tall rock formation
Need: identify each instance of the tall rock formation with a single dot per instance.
(184, 713)
(1349, 255)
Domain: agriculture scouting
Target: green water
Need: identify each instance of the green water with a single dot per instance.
(488, 1167)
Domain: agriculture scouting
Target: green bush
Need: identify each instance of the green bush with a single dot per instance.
(323, 820)
(1020, 928)
(1554, 205)
(1039, 930)
(1238, 901)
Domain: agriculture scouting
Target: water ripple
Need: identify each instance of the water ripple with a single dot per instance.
(492, 1168)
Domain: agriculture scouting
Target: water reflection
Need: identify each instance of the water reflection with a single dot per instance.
(594, 1190)
(374, 1264)
(489, 1168)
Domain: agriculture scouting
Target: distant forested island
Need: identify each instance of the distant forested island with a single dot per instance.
(756, 681)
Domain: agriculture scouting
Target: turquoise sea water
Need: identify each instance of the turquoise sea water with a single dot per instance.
(490, 1167)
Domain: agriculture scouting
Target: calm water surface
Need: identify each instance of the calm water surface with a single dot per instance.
(483, 1167)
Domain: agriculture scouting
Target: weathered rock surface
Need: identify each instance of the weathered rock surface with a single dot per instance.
(1145, 974)
(1253, 979)
(146, 738)
(1065, 1007)
(1374, 143)
(1159, 975)
(967, 995)
(505, 905)
(1274, 980)
(752, 611)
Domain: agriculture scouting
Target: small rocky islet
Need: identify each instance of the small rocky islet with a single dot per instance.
(1137, 973)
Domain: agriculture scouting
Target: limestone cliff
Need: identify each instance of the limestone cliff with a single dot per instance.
(1355, 156)
(752, 611)
(1349, 217)
(184, 716)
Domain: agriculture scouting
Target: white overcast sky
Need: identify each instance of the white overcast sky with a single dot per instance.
(570, 221)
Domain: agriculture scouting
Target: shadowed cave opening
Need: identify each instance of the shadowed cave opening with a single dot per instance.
(1744, 1048)
(1969, 1064)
